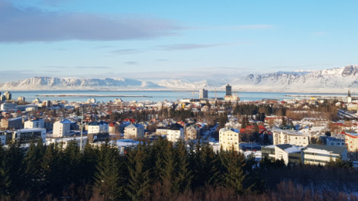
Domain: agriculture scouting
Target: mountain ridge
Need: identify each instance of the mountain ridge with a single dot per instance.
(327, 80)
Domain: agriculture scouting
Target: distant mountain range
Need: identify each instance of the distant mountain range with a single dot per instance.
(333, 80)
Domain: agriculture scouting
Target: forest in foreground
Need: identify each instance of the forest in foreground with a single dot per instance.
(163, 171)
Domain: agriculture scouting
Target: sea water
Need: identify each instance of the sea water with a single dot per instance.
(154, 96)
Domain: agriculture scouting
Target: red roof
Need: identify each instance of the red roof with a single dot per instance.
(251, 128)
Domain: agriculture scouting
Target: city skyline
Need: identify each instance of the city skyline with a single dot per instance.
(140, 39)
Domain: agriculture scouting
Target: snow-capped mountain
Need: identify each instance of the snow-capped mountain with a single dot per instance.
(330, 81)
(54, 83)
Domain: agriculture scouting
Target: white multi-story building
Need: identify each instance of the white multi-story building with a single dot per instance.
(285, 152)
(34, 123)
(229, 139)
(29, 135)
(61, 128)
(290, 137)
(316, 154)
(134, 131)
(172, 134)
(97, 128)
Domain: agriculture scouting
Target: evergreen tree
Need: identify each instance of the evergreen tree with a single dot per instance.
(33, 170)
(204, 164)
(5, 182)
(70, 160)
(88, 164)
(138, 185)
(183, 178)
(50, 170)
(234, 174)
(14, 158)
(107, 178)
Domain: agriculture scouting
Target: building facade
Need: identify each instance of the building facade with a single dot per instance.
(315, 154)
(285, 152)
(203, 94)
(61, 128)
(290, 137)
(11, 123)
(34, 123)
(28, 135)
(228, 91)
(172, 134)
(351, 140)
(96, 128)
(229, 139)
(134, 131)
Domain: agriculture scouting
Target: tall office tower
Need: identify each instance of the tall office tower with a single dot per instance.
(203, 93)
(228, 90)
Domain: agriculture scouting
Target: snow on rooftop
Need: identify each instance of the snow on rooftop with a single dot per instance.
(293, 149)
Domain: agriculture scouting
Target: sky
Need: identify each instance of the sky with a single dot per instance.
(161, 39)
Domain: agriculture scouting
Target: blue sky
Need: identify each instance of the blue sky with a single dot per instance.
(173, 39)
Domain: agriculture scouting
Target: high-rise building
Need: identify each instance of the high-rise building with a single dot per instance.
(7, 95)
(203, 93)
(228, 90)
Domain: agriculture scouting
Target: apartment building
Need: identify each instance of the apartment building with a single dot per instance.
(290, 137)
(229, 139)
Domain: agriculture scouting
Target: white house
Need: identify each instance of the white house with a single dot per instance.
(61, 128)
(133, 131)
(34, 123)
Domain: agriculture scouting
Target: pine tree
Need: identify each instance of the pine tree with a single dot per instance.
(167, 173)
(234, 173)
(33, 170)
(203, 163)
(14, 158)
(50, 170)
(138, 184)
(88, 163)
(107, 177)
(70, 161)
(5, 182)
(183, 174)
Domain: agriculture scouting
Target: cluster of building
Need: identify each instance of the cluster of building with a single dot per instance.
(307, 140)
